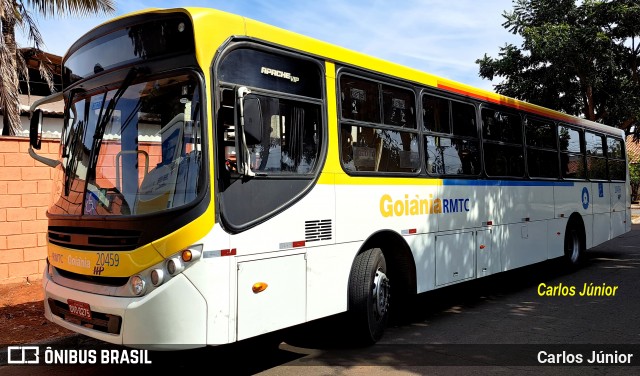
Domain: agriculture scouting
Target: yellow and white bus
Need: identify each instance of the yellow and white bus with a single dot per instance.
(220, 178)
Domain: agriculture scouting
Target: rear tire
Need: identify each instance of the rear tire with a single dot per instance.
(573, 246)
(369, 293)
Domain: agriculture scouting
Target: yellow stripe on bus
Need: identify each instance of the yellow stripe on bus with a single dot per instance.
(103, 264)
(344, 179)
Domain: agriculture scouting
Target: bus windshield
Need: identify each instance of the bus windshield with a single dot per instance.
(133, 150)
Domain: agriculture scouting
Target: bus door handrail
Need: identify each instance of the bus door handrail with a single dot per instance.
(119, 155)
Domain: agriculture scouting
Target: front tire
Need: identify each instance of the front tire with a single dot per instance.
(369, 293)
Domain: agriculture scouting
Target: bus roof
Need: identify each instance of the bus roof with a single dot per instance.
(336, 54)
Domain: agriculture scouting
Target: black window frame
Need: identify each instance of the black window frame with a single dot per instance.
(621, 160)
(270, 193)
(452, 136)
(509, 143)
(531, 148)
(602, 158)
(570, 153)
(344, 122)
(516, 142)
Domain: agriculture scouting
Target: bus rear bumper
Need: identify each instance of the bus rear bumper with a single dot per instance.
(172, 317)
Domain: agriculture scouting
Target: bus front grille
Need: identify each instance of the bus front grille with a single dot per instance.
(94, 239)
(101, 322)
(107, 281)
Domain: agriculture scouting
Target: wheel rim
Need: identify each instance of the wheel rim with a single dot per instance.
(380, 294)
(574, 250)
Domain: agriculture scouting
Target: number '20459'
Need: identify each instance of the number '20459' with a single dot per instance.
(108, 259)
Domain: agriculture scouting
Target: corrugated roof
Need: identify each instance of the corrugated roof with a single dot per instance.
(633, 150)
(55, 108)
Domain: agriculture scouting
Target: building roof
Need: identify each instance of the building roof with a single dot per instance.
(37, 85)
(55, 108)
(633, 150)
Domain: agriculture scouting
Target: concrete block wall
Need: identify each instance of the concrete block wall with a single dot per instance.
(25, 194)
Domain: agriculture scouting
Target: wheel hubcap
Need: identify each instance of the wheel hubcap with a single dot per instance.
(380, 294)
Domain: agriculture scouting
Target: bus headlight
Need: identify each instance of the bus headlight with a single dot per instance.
(137, 285)
(174, 266)
(157, 277)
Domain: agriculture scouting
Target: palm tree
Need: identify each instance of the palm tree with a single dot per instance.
(19, 13)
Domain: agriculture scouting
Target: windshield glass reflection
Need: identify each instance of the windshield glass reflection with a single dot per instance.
(143, 158)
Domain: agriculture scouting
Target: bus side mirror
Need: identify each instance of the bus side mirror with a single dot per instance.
(249, 130)
(252, 120)
(35, 129)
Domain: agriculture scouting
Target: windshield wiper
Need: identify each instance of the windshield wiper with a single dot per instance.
(69, 146)
(105, 117)
(69, 107)
(101, 123)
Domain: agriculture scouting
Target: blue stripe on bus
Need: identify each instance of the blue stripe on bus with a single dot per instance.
(507, 183)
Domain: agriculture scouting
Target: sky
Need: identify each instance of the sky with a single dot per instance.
(442, 37)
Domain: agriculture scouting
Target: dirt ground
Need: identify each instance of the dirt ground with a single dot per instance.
(22, 315)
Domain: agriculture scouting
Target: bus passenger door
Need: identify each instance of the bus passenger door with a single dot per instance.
(488, 262)
(618, 209)
(602, 200)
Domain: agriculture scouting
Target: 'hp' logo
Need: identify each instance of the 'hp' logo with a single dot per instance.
(23, 355)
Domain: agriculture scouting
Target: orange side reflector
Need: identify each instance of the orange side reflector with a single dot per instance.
(187, 255)
(259, 287)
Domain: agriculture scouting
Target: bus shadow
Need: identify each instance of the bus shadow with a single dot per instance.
(332, 333)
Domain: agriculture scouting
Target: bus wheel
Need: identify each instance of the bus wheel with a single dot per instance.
(369, 296)
(573, 248)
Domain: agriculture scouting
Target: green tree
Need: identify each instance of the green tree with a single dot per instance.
(579, 57)
(634, 175)
(18, 13)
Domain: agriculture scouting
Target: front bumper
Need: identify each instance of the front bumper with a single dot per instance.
(171, 317)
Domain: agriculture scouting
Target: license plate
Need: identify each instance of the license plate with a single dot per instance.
(79, 309)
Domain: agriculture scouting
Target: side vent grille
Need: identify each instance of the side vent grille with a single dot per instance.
(317, 230)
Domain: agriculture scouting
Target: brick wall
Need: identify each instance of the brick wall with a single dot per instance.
(25, 195)
(25, 192)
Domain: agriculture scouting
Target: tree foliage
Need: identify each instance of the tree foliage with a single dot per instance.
(579, 57)
(634, 171)
(634, 176)
(19, 13)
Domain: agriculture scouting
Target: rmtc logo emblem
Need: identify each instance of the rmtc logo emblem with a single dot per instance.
(585, 198)
(97, 270)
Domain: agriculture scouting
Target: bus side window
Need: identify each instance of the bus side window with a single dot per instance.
(435, 114)
(360, 99)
